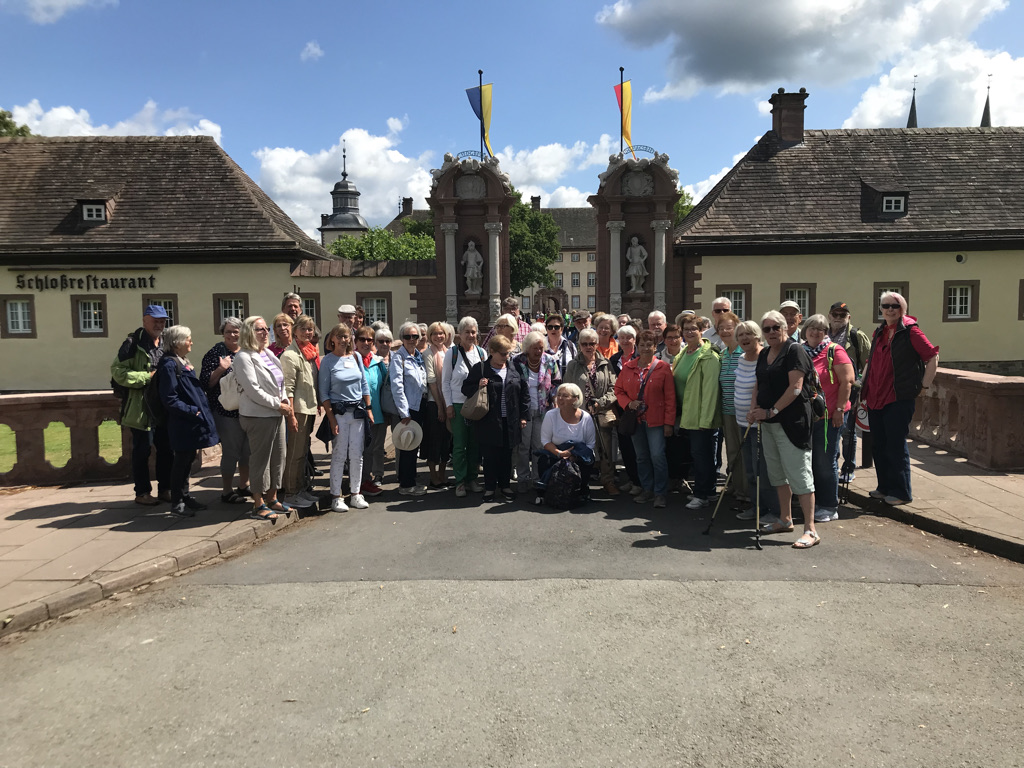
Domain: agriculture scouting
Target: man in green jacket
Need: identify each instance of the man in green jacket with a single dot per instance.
(132, 371)
(858, 347)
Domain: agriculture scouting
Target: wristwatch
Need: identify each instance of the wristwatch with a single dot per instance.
(773, 411)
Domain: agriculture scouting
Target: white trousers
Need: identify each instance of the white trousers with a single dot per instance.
(348, 446)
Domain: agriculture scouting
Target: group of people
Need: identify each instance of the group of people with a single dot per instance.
(668, 400)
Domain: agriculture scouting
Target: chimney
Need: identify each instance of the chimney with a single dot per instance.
(788, 115)
(535, 201)
(406, 206)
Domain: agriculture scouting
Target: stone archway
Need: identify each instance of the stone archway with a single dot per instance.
(549, 300)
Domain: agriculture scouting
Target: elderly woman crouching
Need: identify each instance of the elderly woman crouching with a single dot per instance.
(566, 426)
(542, 377)
(835, 373)
(262, 408)
(234, 446)
(300, 363)
(593, 374)
(190, 424)
(786, 418)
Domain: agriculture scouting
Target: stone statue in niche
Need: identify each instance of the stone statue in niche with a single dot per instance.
(637, 184)
(473, 261)
(636, 255)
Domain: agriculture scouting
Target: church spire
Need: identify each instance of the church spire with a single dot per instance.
(912, 118)
(344, 161)
(986, 116)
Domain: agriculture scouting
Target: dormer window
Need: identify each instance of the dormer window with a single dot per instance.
(93, 212)
(894, 204)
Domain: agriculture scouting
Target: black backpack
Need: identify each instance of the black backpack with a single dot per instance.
(562, 490)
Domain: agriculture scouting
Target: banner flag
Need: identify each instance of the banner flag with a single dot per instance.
(624, 95)
(480, 101)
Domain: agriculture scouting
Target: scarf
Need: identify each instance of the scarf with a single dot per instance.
(367, 360)
(817, 350)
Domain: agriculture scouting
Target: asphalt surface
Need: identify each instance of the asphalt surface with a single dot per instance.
(420, 634)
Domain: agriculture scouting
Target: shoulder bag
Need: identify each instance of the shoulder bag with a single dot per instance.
(627, 421)
(478, 404)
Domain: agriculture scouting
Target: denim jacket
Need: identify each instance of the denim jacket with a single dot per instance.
(408, 380)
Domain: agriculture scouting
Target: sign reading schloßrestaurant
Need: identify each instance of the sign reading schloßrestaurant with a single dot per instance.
(65, 282)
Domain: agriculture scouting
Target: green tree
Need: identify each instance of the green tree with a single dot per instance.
(683, 206)
(533, 246)
(10, 128)
(414, 226)
(378, 244)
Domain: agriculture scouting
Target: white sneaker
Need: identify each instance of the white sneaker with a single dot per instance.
(823, 515)
(698, 503)
(460, 490)
(296, 500)
(413, 490)
(358, 502)
(339, 505)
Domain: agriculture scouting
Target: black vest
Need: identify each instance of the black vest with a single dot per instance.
(907, 365)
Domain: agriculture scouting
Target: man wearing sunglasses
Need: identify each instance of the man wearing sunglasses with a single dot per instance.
(857, 346)
(563, 349)
(719, 307)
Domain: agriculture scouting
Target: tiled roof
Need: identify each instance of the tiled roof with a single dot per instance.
(396, 227)
(168, 196)
(580, 224)
(959, 182)
(360, 268)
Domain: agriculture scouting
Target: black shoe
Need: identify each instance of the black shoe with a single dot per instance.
(179, 508)
(193, 503)
(488, 496)
(509, 494)
(318, 472)
(538, 500)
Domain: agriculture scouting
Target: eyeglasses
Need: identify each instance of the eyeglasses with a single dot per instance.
(720, 311)
(553, 327)
(839, 314)
(410, 336)
(673, 337)
(261, 330)
(342, 338)
(588, 343)
(889, 306)
(771, 328)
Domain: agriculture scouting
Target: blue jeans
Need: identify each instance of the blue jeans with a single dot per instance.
(825, 442)
(769, 497)
(849, 436)
(651, 462)
(702, 447)
(889, 429)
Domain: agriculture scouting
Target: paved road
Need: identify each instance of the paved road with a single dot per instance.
(432, 636)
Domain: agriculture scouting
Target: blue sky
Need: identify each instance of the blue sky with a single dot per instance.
(280, 84)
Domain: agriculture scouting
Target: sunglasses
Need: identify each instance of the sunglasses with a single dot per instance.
(364, 338)
(553, 327)
(721, 311)
(839, 314)
(410, 336)
(889, 306)
(771, 328)
(588, 343)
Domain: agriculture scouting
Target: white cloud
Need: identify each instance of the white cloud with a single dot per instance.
(567, 197)
(301, 182)
(701, 188)
(312, 51)
(726, 46)
(49, 11)
(148, 121)
(952, 76)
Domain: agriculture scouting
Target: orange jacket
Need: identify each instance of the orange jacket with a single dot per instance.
(659, 394)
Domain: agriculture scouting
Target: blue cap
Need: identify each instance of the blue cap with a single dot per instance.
(156, 311)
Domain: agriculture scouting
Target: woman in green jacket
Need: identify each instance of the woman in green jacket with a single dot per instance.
(696, 371)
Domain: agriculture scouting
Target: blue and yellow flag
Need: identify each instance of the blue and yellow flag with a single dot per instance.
(480, 100)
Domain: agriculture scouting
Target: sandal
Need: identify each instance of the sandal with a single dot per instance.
(808, 540)
(263, 512)
(279, 506)
(232, 497)
(779, 527)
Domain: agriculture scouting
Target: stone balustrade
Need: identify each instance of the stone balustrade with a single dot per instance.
(979, 416)
(82, 412)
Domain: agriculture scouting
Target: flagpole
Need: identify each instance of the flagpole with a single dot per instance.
(480, 73)
(622, 108)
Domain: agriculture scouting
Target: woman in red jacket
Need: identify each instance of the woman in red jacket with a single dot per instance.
(656, 404)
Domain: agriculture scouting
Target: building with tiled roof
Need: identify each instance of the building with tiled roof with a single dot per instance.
(820, 216)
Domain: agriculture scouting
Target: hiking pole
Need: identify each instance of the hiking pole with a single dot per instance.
(757, 501)
(732, 469)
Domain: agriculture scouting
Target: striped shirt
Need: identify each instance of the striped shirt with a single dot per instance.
(727, 378)
(743, 388)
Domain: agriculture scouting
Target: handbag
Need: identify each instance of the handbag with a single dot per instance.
(387, 397)
(607, 418)
(229, 392)
(477, 405)
(626, 423)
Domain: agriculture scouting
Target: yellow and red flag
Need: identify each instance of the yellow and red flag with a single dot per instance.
(624, 95)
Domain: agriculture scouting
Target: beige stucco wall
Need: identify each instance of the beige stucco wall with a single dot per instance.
(55, 360)
(996, 335)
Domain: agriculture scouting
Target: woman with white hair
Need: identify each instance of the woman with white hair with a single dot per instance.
(595, 377)
(262, 408)
(190, 425)
(902, 362)
(542, 377)
(785, 416)
(457, 363)
(408, 387)
(436, 447)
(569, 424)
(508, 326)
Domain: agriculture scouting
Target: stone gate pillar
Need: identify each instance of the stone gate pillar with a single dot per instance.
(615, 266)
(451, 304)
(661, 228)
(494, 261)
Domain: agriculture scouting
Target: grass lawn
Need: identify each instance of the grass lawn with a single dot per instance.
(57, 439)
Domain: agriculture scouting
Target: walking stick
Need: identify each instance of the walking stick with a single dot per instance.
(757, 502)
(732, 469)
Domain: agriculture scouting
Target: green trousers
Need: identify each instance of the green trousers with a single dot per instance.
(465, 453)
